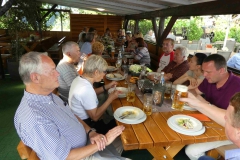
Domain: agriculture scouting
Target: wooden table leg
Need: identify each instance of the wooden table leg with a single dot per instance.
(159, 153)
(173, 150)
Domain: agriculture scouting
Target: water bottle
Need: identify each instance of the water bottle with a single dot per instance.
(120, 55)
(162, 80)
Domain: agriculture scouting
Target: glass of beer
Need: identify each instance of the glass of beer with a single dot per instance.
(180, 92)
(131, 92)
(147, 103)
(167, 93)
(112, 53)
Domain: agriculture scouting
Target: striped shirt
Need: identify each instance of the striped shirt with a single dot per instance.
(67, 73)
(49, 127)
(142, 55)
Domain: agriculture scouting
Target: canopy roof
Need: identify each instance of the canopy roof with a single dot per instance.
(124, 7)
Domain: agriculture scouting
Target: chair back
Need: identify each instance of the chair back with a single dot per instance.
(230, 45)
(184, 42)
(225, 54)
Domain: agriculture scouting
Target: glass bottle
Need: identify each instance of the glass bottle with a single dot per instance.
(160, 89)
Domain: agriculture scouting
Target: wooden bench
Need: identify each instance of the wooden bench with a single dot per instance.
(55, 52)
(26, 152)
(220, 151)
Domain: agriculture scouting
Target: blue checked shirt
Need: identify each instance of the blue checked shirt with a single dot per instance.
(49, 127)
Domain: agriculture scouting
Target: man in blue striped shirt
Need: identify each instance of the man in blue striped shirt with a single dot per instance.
(47, 125)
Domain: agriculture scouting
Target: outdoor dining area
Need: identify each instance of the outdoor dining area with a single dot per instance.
(100, 87)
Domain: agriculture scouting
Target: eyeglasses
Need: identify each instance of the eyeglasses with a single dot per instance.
(105, 72)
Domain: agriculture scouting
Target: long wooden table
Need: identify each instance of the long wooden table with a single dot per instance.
(155, 135)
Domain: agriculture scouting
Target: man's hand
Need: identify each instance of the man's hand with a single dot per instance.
(191, 100)
(98, 139)
(114, 133)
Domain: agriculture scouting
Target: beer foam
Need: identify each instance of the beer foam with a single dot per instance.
(181, 88)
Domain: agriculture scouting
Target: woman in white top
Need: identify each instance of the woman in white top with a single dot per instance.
(83, 98)
(194, 75)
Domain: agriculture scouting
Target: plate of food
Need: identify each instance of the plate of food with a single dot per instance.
(111, 68)
(185, 123)
(129, 115)
(123, 91)
(114, 76)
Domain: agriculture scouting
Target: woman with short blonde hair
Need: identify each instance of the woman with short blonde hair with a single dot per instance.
(97, 48)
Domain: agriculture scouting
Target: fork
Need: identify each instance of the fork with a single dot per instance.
(126, 115)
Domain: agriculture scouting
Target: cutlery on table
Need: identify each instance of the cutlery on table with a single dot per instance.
(213, 127)
(125, 115)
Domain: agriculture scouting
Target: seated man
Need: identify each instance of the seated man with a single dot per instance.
(66, 68)
(178, 67)
(229, 118)
(47, 125)
(168, 53)
(218, 87)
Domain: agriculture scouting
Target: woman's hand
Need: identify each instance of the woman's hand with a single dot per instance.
(98, 139)
(114, 133)
(193, 81)
(114, 95)
(111, 84)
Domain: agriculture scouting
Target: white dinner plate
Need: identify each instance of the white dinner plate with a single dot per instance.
(123, 90)
(197, 125)
(111, 68)
(114, 76)
(201, 131)
(139, 116)
(151, 73)
(186, 107)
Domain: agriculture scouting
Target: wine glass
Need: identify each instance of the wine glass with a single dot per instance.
(118, 64)
(140, 85)
(157, 96)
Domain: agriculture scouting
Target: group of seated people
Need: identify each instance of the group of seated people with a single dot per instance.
(65, 127)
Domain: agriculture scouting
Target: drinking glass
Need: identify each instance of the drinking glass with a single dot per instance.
(126, 76)
(118, 64)
(131, 92)
(83, 56)
(156, 78)
(130, 61)
(157, 96)
(112, 53)
(140, 85)
(180, 92)
(147, 103)
(125, 60)
(167, 94)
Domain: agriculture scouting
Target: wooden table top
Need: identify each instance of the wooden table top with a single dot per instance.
(155, 135)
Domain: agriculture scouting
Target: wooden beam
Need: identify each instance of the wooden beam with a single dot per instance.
(167, 29)
(49, 11)
(125, 24)
(208, 8)
(160, 30)
(136, 29)
(154, 24)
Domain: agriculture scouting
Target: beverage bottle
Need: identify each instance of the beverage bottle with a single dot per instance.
(162, 80)
(120, 55)
(123, 49)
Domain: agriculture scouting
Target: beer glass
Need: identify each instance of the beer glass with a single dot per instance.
(167, 93)
(112, 53)
(147, 103)
(131, 92)
(180, 92)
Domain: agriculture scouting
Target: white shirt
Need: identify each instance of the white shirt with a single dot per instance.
(164, 61)
(82, 97)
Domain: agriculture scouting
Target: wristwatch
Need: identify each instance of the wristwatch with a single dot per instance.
(92, 129)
